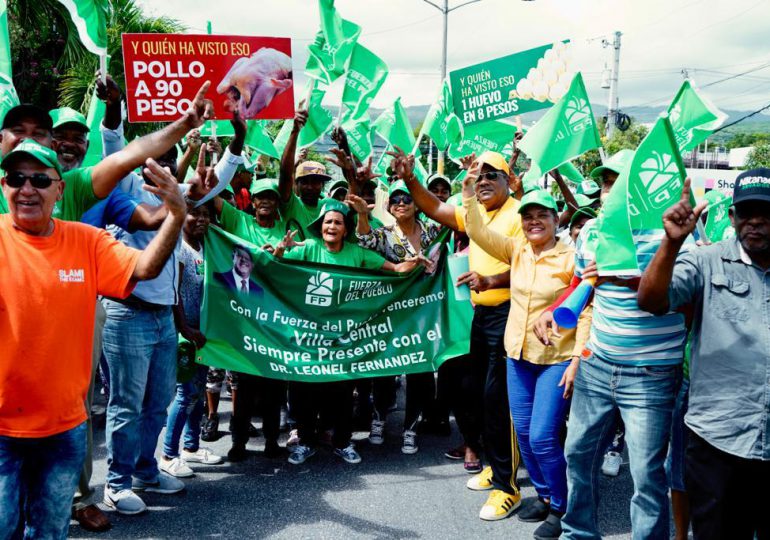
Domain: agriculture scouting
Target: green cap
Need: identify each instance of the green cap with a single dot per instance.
(335, 185)
(432, 179)
(588, 188)
(580, 212)
(30, 148)
(616, 163)
(266, 184)
(540, 197)
(66, 115)
(584, 201)
(398, 185)
(333, 205)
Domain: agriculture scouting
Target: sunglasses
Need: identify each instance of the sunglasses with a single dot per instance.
(490, 175)
(38, 180)
(398, 199)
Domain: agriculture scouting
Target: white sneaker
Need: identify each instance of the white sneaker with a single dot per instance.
(176, 467)
(377, 432)
(410, 442)
(293, 438)
(202, 455)
(611, 464)
(123, 501)
(166, 485)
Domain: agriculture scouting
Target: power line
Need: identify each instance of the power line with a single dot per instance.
(743, 118)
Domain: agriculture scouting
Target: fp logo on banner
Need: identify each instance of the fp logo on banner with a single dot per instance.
(319, 290)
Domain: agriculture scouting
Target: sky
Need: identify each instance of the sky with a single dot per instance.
(711, 39)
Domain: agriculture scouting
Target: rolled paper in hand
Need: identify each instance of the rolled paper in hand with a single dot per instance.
(566, 315)
(458, 265)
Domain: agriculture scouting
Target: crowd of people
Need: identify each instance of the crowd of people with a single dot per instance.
(674, 366)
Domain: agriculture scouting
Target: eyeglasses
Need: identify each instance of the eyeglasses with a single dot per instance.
(399, 199)
(38, 180)
(490, 175)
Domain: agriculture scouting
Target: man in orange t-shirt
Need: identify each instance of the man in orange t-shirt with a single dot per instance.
(51, 272)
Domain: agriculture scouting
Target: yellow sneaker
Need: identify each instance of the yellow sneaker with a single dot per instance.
(499, 505)
(481, 481)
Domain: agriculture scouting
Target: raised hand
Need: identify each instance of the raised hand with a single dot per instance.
(166, 188)
(358, 205)
(204, 178)
(469, 182)
(680, 220)
(214, 147)
(194, 140)
(108, 91)
(239, 124)
(341, 160)
(402, 164)
(201, 109)
(365, 173)
(467, 161)
(300, 117)
(288, 242)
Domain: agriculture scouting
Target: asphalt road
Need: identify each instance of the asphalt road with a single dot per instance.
(388, 495)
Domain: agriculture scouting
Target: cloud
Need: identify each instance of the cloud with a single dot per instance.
(660, 37)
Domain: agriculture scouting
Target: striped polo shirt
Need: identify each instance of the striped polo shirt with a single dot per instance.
(620, 331)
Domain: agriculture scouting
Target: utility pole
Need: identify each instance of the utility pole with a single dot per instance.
(612, 106)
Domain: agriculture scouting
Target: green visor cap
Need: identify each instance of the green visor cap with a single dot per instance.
(398, 185)
(584, 201)
(66, 115)
(616, 163)
(36, 151)
(540, 197)
(589, 188)
(333, 205)
(581, 212)
(336, 184)
(438, 178)
(261, 186)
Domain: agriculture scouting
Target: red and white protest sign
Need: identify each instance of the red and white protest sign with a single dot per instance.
(164, 72)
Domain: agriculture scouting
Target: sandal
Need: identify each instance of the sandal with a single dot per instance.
(456, 453)
(473, 467)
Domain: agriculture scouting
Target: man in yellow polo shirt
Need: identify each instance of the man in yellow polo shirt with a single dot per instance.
(489, 281)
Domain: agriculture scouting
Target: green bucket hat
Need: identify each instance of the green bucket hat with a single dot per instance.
(589, 188)
(540, 197)
(616, 163)
(266, 184)
(580, 212)
(36, 151)
(333, 205)
(66, 115)
(398, 185)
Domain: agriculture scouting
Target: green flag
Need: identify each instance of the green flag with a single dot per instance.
(645, 189)
(8, 96)
(94, 118)
(565, 132)
(571, 173)
(258, 140)
(330, 53)
(319, 120)
(693, 117)
(282, 138)
(494, 135)
(441, 124)
(90, 18)
(366, 74)
(718, 226)
(359, 134)
(393, 126)
(224, 128)
(315, 322)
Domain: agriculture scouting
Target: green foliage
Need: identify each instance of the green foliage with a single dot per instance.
(50, 61)
(759, 156)
(740, 140)
(620, 140)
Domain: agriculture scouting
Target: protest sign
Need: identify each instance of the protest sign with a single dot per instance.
(247, 73)
(514, 84)
(317, 323)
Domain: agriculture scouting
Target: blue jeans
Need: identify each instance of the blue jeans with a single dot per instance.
(140, 349)
(645, 398)
(538, 409)
(185, 413)
(37, 480)
(675, 467)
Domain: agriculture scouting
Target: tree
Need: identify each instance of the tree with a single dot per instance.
(759, 156)
(620, 140)
(52, 68)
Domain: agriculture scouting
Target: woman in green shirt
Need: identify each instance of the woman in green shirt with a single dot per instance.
(334, 244)
(264, 228)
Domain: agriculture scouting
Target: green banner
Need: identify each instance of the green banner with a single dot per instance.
(494, 135)
(514, 84)
(318, 323)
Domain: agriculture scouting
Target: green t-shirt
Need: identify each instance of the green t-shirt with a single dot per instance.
(245, 226)
(296, 210)
(351, 254)
(77, 198)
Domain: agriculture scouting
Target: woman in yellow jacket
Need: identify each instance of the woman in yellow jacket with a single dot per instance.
(539, 377)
